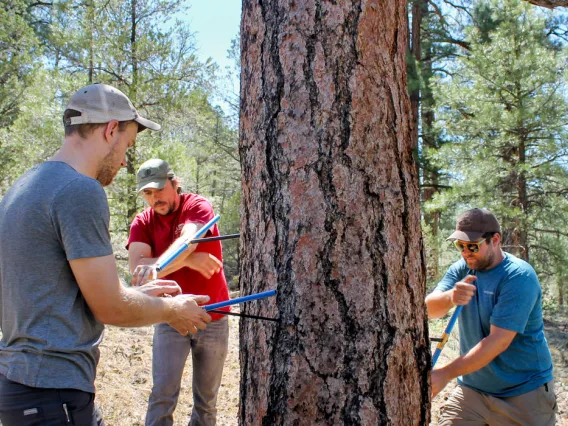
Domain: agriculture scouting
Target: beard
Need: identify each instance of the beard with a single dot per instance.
(108, 170)
(481, 264)
(171, 208)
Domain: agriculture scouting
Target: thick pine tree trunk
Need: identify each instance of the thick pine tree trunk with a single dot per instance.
(330, 218)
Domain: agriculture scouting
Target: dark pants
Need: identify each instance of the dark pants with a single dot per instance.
(22, 405)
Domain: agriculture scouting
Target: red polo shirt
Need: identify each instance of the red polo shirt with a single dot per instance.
(159, 232)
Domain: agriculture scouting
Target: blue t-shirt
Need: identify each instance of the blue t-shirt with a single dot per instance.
(508, 296)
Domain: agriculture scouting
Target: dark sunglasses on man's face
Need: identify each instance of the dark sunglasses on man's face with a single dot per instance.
(472, 247)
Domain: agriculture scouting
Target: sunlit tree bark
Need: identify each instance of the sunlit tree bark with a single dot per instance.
(330, 218)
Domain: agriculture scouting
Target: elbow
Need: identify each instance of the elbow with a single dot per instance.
(106, 317)
(110, 314)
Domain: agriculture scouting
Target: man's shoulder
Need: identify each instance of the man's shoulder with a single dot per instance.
(190, 199)
(515, 264)
(459, 266)
(144, 217)
(519, 271)
(53, 180)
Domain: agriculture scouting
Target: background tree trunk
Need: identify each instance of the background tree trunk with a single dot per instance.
(330, 218)
(551, 4)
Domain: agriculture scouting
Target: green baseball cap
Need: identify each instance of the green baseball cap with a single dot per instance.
(153, 173)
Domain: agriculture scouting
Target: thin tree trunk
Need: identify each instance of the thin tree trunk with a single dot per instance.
(91, 29)
(416, 50)
(131, 198)
(523, 202)
(330, 218)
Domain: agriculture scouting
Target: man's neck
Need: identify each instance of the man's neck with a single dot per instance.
(78, 155)
(498, 259)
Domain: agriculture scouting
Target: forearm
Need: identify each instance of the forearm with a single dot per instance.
(187, 234)
(477, 358)
(134, 309)
(438, 304)
(178, 263)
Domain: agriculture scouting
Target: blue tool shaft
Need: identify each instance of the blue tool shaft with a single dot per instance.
(184, 246)
(446, 334)
(238, 300)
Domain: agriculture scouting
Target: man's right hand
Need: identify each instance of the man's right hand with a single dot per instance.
(463, 291)
(186, 314)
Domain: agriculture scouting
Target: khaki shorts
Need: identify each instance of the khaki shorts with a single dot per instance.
(466, 407)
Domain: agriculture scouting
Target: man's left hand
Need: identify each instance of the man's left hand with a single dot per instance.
(143, 274)
(160, 288)
(439, 381)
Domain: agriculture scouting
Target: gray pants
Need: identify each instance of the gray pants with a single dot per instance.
(208, 352)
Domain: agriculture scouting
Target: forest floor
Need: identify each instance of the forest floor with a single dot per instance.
(125, 375)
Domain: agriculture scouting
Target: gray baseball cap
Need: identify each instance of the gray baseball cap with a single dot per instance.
(474, 223)
(101, 103)
(153, 173)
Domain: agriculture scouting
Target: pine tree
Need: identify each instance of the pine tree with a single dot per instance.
(503, 116)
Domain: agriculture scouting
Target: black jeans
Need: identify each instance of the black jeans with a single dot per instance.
(22, 405)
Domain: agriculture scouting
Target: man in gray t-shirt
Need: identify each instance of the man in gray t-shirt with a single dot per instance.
(58, 278)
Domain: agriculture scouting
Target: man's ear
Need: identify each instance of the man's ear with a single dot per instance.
(111, 130)
(496, 239)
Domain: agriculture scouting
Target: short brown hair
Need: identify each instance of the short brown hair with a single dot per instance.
(85, 130)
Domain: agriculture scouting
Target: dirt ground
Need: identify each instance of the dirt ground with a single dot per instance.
(124, 379)
(556, 330)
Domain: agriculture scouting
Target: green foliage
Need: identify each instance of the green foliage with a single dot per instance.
(502, 115)
(137, 47)
(18, 49)
(37, 132)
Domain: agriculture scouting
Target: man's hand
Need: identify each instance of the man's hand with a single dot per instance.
(439, 381)
(204, 263)
(186, 315)
(463, 291)
(143, 274)
(160, 288)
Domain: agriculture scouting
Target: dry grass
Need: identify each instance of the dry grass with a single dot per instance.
(125, 374)
(556, 329)
(124, 379)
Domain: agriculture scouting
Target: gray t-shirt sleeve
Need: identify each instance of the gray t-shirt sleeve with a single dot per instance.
(81, 219)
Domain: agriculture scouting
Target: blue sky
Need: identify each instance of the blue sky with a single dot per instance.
(215, 23)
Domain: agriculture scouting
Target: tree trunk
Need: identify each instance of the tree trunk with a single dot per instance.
(418, 8)
(131, 197)
(330, 218)
(551, 4)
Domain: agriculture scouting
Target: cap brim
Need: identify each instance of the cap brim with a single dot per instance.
(147, 124)
(153, 184)
(465, 236)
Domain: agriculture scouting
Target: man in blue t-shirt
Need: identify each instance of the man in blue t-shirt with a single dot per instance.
(504, 370)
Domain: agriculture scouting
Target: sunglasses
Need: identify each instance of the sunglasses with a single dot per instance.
(472, 247)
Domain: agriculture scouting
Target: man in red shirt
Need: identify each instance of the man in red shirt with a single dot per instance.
(171, 219)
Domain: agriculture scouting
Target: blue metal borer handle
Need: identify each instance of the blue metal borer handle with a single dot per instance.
(446, 334)
(243, 299)
(185, 245)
